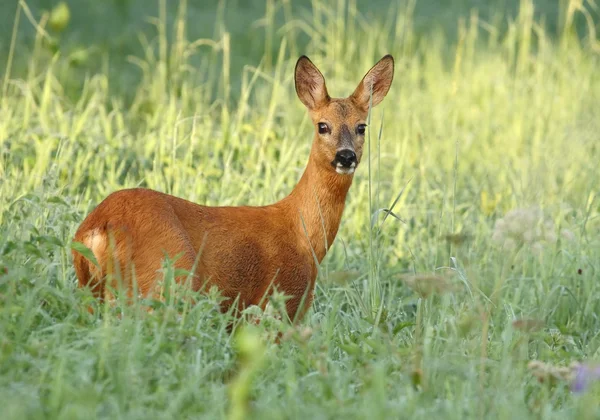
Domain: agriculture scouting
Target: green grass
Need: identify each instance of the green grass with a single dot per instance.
(475, 126)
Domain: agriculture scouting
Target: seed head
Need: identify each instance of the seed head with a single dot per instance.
(525, 226)
(428, 284)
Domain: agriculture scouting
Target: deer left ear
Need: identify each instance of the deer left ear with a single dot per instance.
(310, 84)
(377, 82)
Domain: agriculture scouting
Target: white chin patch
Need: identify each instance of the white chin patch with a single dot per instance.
(345, 171)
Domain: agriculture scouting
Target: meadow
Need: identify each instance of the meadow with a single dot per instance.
(464, 280)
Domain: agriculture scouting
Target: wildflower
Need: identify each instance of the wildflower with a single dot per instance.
(584, 376)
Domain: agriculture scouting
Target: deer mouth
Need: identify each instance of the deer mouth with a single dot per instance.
(344, 170)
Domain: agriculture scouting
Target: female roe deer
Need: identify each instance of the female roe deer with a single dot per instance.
(244, 251)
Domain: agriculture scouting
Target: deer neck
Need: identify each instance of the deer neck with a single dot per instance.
(317, 202)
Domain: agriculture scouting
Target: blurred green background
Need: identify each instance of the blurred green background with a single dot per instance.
(103, 34)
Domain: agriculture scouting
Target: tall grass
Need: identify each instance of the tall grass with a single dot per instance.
(418, 311)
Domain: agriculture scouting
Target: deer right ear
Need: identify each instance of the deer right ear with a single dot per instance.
(310, 84)
(376, 83)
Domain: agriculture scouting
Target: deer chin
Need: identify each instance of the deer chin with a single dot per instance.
(342, 170)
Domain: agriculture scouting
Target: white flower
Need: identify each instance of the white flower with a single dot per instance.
(500, 225)
(498, 236)
(524, 226)
(531, 217)
(510, 244)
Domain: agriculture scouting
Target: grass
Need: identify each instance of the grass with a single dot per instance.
(428, 316)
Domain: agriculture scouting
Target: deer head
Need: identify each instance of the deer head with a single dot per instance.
(340, 123)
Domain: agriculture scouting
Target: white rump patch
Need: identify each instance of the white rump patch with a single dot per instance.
(96, 241)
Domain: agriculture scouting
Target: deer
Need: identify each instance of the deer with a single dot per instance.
(247, 252)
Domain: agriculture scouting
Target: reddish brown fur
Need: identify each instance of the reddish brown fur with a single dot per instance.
(241, 250)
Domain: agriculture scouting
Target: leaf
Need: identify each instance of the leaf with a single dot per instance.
(394, 205)
(180, 272)
(57, 200)
(399, 327)
(387, 213)
(350, 348)
(32, 249)
(53, 240)
(8, 247)
(85, 251)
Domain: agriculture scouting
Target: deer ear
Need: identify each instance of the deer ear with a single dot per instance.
(377, 80)
(310, 84)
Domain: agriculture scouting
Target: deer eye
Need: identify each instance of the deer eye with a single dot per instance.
(360, 130)
(323, 128)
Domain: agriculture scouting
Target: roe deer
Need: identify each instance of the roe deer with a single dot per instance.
(245, 250)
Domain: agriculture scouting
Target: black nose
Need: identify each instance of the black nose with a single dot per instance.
(346, 158)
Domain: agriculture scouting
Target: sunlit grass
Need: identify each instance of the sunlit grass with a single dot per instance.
(427, 316)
